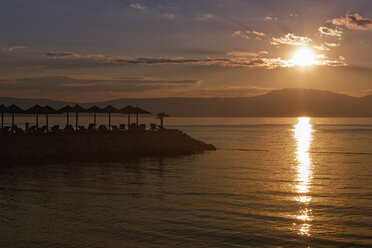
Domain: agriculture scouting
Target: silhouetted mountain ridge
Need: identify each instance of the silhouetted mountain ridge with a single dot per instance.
(277, 103)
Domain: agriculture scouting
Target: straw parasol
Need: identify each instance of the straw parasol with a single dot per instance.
(36, 110)
(78, 109)
(47, 110)
(94, 110)
(14, 109)
(140, 111)
(110, 109)
(3, 110)
(66, 109)
(128, 110)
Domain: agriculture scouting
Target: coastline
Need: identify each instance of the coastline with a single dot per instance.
(97, 146)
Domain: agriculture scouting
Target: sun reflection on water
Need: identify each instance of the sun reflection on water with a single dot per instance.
(303, 136)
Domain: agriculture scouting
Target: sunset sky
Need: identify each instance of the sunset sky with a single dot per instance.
(94, 50)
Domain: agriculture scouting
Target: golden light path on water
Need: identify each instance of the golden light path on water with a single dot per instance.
(303, 136)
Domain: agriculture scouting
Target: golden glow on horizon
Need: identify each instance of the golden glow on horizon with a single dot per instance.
(304, 57)
(303, 136)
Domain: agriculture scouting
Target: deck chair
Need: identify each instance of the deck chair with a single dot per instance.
(115, 128)
(91, 127)
(122, 126)
(153, 126)
(102, 128)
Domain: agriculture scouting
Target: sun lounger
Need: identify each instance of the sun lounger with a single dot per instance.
(133, 126)
(115, 128)
(13, 129)
(91, 127)
(69, 129)
(81, 129)
(55, 129)
(44, 128)
(153, 126)
(122, 126)
(4, 130)
(102, 128)
(32, 129)
(18, 130)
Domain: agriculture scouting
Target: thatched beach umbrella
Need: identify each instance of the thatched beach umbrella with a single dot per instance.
(47, 110)
(140, 111)
(3, 110)
(66, 109)
(35, 110)
(77, 109)
(110, 109)
(94, 110)
(128, 110)
(14, 109)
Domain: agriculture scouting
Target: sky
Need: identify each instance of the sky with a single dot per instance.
(96, 50)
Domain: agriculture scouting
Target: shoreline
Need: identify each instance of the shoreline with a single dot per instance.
(97, 146)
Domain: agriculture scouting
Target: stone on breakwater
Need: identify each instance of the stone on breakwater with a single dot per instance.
(54, 147)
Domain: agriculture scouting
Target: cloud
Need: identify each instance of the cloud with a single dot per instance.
(333, 45)
(91, 84)
(71, 55)
(353, 21)
(231, 91)
(137, 6)
(169, 16)
(247, 34)
(205, 17)
(326, 46)
(53, 54)
(330, 32)
(225, 62)
(242, 54)
(240, 34)
(119, 60)
(322, 47)
(268, 63)
(291, 39)
(269, 18)
(368, 92)
(255, 33)
(12, 48)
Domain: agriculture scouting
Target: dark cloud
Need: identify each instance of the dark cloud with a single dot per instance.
(224, 62)
(86, 84)
(353, 21)
(67, 55)
(12, 48)
(52, 54)
(231, 91)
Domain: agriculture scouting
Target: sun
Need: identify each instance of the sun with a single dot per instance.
(304, 57)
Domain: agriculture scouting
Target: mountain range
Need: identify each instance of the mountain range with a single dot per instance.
(277, 103)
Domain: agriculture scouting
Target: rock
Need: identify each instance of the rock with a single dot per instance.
(89, 146)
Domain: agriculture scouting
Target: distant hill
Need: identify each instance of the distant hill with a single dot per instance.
(29, 102)
(278, 103)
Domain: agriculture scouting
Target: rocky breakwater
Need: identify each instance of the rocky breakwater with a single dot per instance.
(95, 146)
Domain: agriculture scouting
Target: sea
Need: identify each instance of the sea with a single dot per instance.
(272, 182)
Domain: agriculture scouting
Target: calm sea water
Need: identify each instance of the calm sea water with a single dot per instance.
(273, 182)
